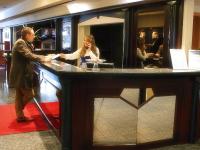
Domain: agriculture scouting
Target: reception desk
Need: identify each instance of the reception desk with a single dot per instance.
(123, 108)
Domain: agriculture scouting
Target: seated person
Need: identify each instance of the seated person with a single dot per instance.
(160, 51)
(142, 56)
(142, 35)
(89, 50)
(157, 41)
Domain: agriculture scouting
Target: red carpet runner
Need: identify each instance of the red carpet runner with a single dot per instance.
(9, 125)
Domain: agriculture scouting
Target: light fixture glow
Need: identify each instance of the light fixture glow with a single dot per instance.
(132, 1)
(2, 15)
(78, 7)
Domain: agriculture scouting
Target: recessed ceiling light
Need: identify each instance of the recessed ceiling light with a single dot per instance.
(131, 1)
(78, 7)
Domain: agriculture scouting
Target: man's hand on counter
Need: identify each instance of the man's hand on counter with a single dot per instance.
(45, 59)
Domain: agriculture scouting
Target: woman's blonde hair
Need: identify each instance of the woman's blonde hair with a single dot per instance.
(141, 45)
(89, 38)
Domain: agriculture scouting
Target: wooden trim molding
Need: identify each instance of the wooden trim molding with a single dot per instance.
(196, 32)
(197, 14)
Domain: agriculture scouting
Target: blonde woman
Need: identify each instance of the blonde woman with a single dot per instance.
(89, 50)
(142, 55)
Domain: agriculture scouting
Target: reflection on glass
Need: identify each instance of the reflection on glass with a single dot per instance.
(66, 34)
(150, 38)
(48, 101)
(108, 32)
(130, 120)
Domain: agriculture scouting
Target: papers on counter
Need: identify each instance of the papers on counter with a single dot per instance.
(55, 56)
(194, 59)
(51, 57)
(98, 61)
(179, 59)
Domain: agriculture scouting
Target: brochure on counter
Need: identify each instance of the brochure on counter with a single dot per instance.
(179, 59)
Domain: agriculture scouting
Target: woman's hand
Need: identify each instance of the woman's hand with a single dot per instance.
(150, 55)
(63, 56)
(89, 45)
(157, 55)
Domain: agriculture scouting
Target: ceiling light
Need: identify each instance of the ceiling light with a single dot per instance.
(132, 1)
(78, 7)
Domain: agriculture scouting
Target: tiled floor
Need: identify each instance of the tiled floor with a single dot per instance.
(45, 140)
(6, 94)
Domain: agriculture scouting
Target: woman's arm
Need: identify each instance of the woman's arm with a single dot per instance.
(140, 55)
(73, 56)
(93, 56)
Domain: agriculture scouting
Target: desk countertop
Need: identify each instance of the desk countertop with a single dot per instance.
(61, 68)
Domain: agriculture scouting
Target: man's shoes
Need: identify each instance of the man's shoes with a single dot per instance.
(24, 119)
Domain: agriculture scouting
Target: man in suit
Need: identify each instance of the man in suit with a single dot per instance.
(157, 41)
(21, 72)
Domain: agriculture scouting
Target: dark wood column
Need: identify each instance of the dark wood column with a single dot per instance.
(179, 26)
(75, 21)
(130, 38)
(172, 29)
(196, 29)
(11, 37)
(58, 23)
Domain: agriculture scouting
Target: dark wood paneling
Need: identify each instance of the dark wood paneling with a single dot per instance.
(80, 88)
(11, 38)
(83, 108)
(172, 29)
(179, 25)
(130, 29)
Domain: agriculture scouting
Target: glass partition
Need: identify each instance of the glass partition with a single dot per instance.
(108, 31)
(45, 35)
(6, 38)
(66, 34)
(150, 30)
